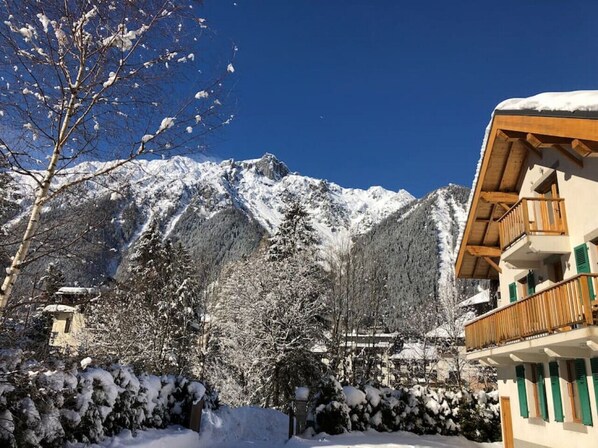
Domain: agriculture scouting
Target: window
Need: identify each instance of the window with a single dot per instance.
(67, 324)
(549, 211)
(527, 285)
(582, 263)
(594, 366)
(577, 389)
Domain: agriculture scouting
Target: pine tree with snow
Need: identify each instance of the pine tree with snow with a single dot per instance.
(151, 319)
(53, 280)
(5, 205)
(294, 236)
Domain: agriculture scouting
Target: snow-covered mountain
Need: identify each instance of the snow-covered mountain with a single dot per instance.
(168, 189)
(220, 210)
(223, 210)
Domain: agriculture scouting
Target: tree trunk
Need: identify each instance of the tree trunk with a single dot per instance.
(40, 199)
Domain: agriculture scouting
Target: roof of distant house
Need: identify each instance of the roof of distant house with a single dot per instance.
(76, 290)
(59, 309)
(447, 331)
(481, 297)
(416, 350)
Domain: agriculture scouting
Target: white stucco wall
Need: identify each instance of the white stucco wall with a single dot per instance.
(535, 432)
(67, 341)
(579, 187)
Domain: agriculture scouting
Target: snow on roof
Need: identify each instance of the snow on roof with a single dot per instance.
(76, 290)
(480, 297)
(416, 350)
(580, 100)
(445, 331)
(59, 309)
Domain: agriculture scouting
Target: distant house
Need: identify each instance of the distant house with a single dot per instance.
(415, 362)
(533, 226)
(452, 366)
(67, 316)
(479, 303)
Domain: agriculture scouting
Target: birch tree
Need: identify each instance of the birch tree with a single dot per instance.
(102, 80)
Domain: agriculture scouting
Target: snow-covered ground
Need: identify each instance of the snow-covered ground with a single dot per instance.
(266, 428)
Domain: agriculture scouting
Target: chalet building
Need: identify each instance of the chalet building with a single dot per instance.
(533, 227)
(67, 316)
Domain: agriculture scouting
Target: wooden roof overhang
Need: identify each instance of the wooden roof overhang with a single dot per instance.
(512, 138)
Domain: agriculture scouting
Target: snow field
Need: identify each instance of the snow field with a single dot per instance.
(266, 428)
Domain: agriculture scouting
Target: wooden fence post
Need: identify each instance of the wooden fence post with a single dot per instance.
(195, 419)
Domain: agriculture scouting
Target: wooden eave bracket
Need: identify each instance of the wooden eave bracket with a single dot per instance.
(569, 155)
(499, 197)
(494, 265)
(548, 141)
(584, 147)
(484, 251)
(518, 138)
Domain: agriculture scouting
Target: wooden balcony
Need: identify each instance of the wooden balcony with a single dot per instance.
(532, 216)
(563, 307)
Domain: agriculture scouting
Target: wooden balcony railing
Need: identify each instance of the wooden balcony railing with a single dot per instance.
(532, 216)
(564, 306)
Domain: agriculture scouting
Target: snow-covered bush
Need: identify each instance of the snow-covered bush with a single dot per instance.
(422, 410)
(330, 408)
(48, 404)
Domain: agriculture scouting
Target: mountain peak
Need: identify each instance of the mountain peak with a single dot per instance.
(269, 166)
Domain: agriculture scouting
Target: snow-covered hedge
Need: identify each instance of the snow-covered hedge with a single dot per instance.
(417, 409)
(50, 404)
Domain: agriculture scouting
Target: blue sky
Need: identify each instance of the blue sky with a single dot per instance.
(389, 92)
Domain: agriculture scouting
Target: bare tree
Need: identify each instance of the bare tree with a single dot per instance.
(99, 79)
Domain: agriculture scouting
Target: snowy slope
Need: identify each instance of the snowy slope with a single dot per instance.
(165, 189)
(449, 216)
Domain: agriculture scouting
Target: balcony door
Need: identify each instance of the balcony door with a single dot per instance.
(548, 211)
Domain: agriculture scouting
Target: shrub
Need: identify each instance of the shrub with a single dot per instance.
(48, 404)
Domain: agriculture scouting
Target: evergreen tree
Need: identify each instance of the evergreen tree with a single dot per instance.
(151, 319)
(53, 280)
(330, 408)
(294, 236)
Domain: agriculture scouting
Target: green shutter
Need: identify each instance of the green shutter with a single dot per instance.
(520, 373)
(541, 387)
(582, 262)
(582, 388)
(555, 386)
(513, 292)
(594, 364)
(531, 283)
